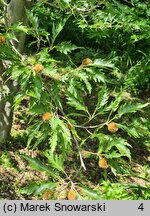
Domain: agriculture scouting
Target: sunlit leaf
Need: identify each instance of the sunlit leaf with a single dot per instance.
(55, 161)
(57, 28)
(66, 47)
(102, 63)
(103, 97)
(74, 102)
(130, 108)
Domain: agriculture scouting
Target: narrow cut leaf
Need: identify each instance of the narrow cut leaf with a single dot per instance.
(74, 102)
(66, 47)
(34, 188)
(130, 108)
(56, 161)
(53, 141)
(57, 28)
(102, 63)
(103, 97)
(37, 165)
(124, 150)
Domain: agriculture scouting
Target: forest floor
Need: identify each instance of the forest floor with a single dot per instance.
(15, 172)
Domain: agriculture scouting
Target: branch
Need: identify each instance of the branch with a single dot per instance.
(78, 147)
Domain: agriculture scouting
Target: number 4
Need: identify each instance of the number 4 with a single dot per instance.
(141, 207)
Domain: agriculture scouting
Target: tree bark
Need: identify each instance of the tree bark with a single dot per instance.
(6, 101)
(16, 13)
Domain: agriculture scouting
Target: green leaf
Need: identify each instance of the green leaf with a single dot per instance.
(113, 154)
(57, 28)
(45, 185)
(66, 1)
(24, 80)
(30, 189)
(66, 47)
(55, 161)
(19, 27)
(33, 132)
(105, 142)
(37, 86)
(40, 139)
(65, 132)
(124, 151)
(17, 71)
(91, 194)
(114, 104)
(7, 53)
(74, 102)
(53, 141)
(33, 19)
(130, 130)
(34, 188)
(17, 99)
(102, 63)
(103, 97)
(115, 167)
(95, 74)
(37, 165)
(36, 108)
(84, 78)
(108, 143)
(59, 132)
(54, 123)
(130, 108)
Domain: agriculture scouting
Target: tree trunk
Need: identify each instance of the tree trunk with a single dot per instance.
(16, 13)
(6, 101)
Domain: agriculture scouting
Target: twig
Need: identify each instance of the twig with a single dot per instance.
(78, 147)
(82, 162)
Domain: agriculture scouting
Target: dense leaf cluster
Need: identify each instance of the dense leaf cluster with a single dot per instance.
(82, 99)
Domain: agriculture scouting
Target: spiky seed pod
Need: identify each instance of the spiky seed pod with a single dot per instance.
(113, 127)
(38, 67)
(47, 194)
(46, 116)
(2, 39)
(103, 163)
(71, 195)
(86, 61)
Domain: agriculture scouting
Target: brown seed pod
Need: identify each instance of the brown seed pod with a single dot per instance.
(38, 67)
(103, 163)
(47, 194)
(113, 127)
(71, 195)
(86, 61)
(2, 39)
(46, 116)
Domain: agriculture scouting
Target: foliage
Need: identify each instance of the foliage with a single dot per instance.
(82, 99)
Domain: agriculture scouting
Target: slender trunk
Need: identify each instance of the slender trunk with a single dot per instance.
(6, 101)
(16, 13)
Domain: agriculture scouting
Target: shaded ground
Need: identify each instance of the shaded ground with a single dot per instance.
(15, 172)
